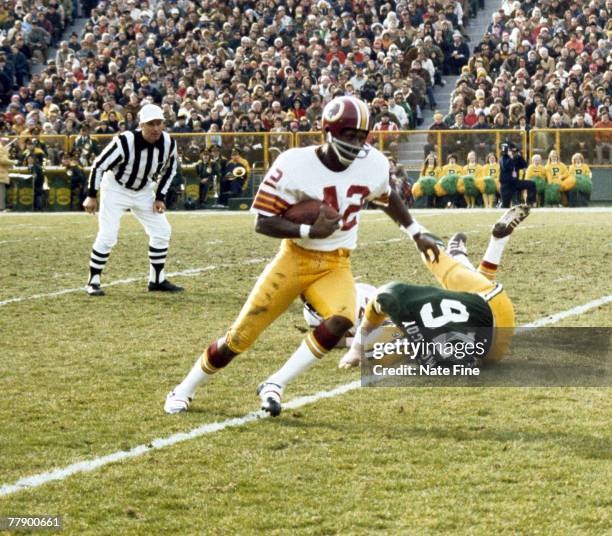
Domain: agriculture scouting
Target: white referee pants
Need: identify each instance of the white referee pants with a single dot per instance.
(114, 201)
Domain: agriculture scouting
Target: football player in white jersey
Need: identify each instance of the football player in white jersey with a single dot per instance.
(314, 260)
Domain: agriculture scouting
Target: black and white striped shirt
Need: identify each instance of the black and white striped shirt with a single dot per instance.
(135, 162)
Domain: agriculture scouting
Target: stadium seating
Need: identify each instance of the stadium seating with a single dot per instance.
(239, 74)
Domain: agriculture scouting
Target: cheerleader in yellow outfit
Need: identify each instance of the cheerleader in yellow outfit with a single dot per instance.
(467, 183)
(488, 181)
(536, 172)
(447, 184)
(430, 173)
(556, 174)
(579, 179)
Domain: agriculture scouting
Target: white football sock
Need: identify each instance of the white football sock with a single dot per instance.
(95, 279)
(301, 360)
(495, 249)
(191, 382)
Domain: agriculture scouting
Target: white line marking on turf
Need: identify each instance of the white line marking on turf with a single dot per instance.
(89, 465)
(578, 310)
(35, 481)
(184, 273)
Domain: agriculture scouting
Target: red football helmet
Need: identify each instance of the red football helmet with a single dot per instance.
(342, 113)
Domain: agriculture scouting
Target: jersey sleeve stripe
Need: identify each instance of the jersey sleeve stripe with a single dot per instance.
(257, 209)
(272, 199)
(275, 209)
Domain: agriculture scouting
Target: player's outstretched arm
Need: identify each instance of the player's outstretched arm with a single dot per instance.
(400, 215)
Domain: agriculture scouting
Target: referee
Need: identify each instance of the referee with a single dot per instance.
(126, 172)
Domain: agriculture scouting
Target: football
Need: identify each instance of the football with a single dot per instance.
(307, 211)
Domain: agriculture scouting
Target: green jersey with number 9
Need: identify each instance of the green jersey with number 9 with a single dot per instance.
(435, 314)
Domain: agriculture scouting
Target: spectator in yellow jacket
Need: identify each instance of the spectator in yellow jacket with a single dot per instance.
(536, 172)
(488, 181)
(471, 171)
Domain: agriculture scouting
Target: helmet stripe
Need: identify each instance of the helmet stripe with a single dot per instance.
(363, 124)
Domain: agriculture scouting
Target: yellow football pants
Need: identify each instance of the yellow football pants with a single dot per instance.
(452, 275)
(323, 278)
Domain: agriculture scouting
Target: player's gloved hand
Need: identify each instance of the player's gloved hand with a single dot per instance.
(425, 244)
(90, 205)
(324, 226)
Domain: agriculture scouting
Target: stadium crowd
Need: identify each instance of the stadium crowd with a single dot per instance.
(541, 65)
(242, 66)
(270, 66)
(27, 29)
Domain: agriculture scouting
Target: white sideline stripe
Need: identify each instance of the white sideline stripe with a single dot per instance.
(553, 319)
(35, 481)
(184, 273)
(160, 443)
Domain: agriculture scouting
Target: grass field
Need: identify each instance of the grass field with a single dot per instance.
(84, 378)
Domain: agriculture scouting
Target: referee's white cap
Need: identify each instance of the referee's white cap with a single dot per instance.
(150, 112)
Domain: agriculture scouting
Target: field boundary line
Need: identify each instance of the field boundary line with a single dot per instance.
(39, 479)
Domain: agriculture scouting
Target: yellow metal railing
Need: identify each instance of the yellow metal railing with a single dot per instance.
(408, 146)
(259, 148)
(58, 142)
(411, 146)
(595, 145)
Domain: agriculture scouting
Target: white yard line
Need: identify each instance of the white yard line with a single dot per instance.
(35, 481)
(184, 273)
(39, 479)
(578, 310)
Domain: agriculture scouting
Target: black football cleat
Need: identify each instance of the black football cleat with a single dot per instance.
(164, 286)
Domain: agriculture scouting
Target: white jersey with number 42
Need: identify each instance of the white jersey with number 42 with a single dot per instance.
(299, 174)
